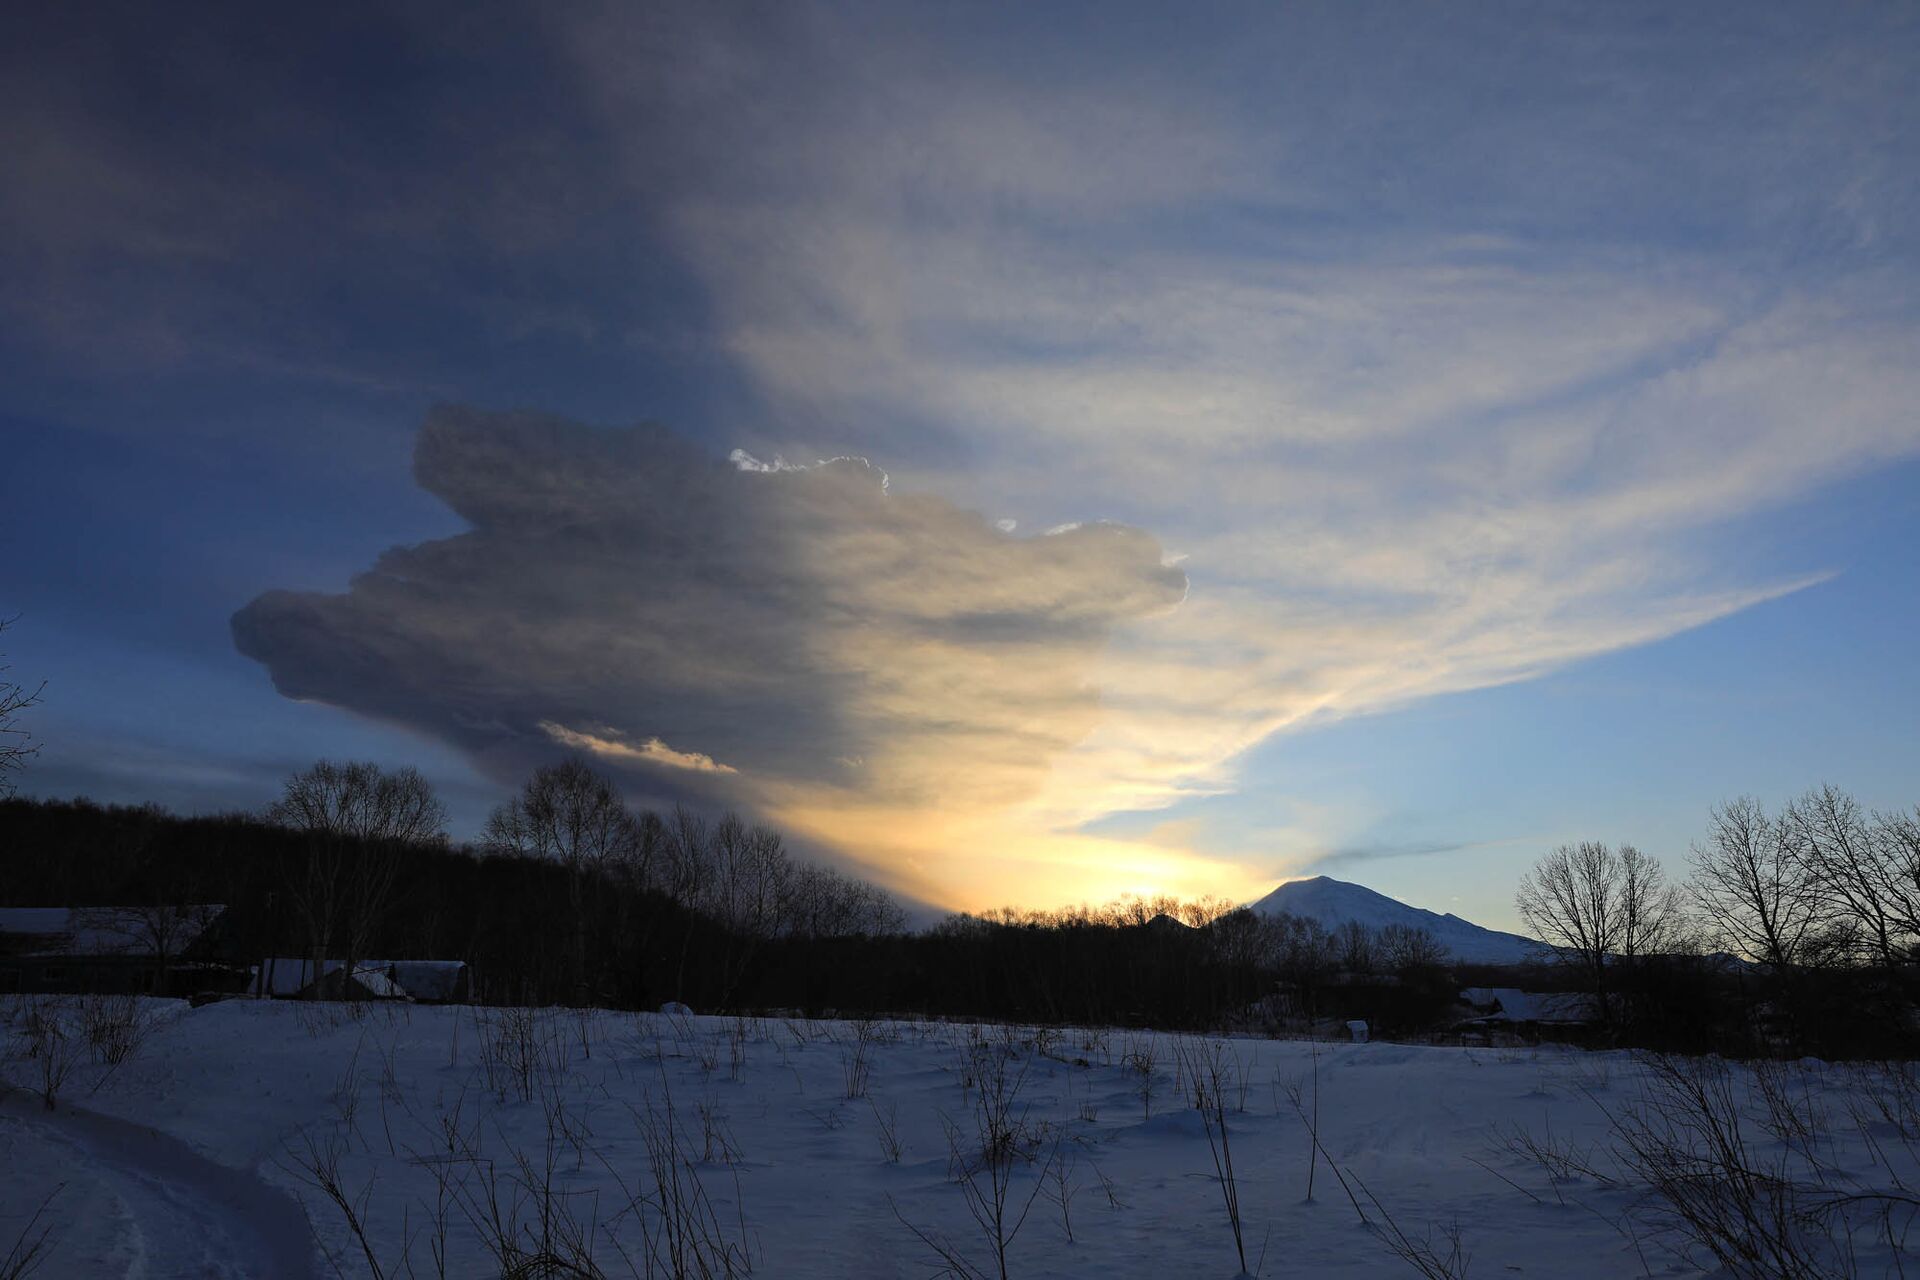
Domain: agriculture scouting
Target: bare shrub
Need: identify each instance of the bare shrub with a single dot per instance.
(528, 1223)
(682, 1233)
(54, 1046)
(1563, 1161)
(1760, 1215)
(1141, 1057)
(518, 1048)
(1790, 1113)
(739, 1031)
(716, 1140)
(1212, 1073)
(856, 1065)
(1308, 1110)
(28, 1253)
(1058, 1185)
(985, 1161)
(316, 1162)
(889, 1134)
(1439, 1254)
(115, 1026)
(1889, 1092)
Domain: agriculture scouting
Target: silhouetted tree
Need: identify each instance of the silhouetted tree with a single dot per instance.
(1851, 866)
(358, 820)
(1598, 907)
(571, 815)
(1757, 886)
(16, 744)
(1405, 946)
(1898, 837)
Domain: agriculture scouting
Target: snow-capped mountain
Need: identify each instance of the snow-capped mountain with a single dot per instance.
(1334, 902)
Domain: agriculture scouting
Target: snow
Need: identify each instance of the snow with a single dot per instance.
(1336, 902)
(189, 1159)
(149, 1203)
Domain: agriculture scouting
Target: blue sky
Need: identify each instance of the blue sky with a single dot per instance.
(1504, 416)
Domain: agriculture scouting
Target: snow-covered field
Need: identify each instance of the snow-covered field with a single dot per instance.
(456, 1137)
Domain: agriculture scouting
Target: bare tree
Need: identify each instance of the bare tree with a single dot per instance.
(745, 891)
(1852, 866)
(1652, 910)
(569, 814)
(1300, 948)
(16, 744)
(358, 820)
(1238, 939)
(1406, 946)
(162, 929)
(1757, 886)
(1898, 837)
(1357, 950)
(685, 856)
(822, 902)
(1597, 906)
(742, 876)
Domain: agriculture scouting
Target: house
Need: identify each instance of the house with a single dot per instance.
(291, 978)
(434, 981)
(160, 950)
(1530, 1012)
(424, 981)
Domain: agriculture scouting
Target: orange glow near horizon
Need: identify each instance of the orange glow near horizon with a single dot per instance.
(984, 861)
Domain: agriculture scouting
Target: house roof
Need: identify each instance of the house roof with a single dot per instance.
(382, 979)
(427, 979)
(103, 931)
(1515, 1005)
(289, 976)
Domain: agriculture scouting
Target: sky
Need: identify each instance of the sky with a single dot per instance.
(1027, 454)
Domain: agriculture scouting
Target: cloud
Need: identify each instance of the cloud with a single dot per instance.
(800, 631)
(1446, 350)
(1353, 855)
(652, 751)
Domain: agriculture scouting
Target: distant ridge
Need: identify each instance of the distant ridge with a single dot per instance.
(1334, 902)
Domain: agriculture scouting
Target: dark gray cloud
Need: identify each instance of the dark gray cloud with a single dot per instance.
(1348, 856)
(710, 628)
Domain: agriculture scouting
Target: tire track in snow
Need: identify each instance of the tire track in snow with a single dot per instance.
(189, 1217)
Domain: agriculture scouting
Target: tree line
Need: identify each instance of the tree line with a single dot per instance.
(1795, 930)
(570, 897)
(1798, 928)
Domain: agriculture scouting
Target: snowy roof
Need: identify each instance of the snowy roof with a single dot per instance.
(104, 931)
(427, 979)
(288, 976)
(1515, 1005)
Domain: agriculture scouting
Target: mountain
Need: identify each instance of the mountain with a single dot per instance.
(1334, 902)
